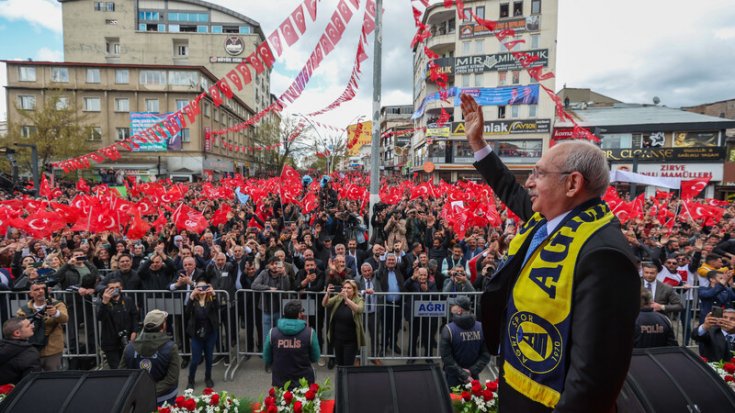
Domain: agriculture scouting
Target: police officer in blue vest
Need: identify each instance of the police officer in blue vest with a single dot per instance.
(291, 347)
(155, 352)
(462, 346)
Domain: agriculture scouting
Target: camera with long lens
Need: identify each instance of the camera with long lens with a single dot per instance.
(123, 335)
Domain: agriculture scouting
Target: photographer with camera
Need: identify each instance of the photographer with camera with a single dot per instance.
(47, 316)
(202, 313)
(119, 317)
(80, 276)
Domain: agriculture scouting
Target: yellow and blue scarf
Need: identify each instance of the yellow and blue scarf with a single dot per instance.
(539, 309)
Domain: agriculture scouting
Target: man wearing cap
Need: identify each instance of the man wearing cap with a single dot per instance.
(156, 353)
(462, 346)
(291, 347)
(716, 336)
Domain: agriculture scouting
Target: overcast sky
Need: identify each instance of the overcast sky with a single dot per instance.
(632, 50)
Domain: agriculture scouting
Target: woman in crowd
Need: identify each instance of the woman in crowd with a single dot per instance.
(202, 312)
(345, 329)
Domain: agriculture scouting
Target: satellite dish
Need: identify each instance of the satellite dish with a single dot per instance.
(656, 100)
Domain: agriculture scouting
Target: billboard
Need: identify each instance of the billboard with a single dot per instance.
(518, 24)
(508, 127)
(365, 138)
(140, 121)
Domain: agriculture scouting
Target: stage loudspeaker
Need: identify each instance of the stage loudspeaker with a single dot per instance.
(673, 380)
(108, 391)
(395, 389)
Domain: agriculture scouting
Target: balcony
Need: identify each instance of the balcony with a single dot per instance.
(441, 41)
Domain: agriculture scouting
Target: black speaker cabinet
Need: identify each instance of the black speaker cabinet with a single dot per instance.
(108, 391)
(392, 389)
(673, 380)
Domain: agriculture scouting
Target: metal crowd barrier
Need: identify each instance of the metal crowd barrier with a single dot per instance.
(688, 318)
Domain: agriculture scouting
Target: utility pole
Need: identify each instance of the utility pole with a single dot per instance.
(34, 164)
(377, 90)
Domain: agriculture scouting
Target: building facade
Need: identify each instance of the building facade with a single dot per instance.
(661, 142)
(518, 114)
(129, 62)
(116, 99)
(395, 144)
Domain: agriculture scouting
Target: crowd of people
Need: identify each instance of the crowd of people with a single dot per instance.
(352, 282)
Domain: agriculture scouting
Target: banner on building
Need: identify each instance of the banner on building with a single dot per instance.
(497, 62)
(666, 154)
(511, 95)
(141, 121)
(519, 24)
(445, 65)
(695, 139)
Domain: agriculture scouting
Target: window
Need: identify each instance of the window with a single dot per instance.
(27, 73)
(479, 46)
(112, 46)
(180, 103)
(181, 78)
(27, 102)
(189, 17)
(188, 28)
(245, 30)
(516, 77)
(59, 74)
(534, 41)
(62, 103)
(451, 25)
(104, 6)
(466, 80)
(122, 105)
(151, 15)
(480, 11)
(175, 28)
(216, 115)
(181, 49)
(152, 105)
(535, 6)
(517, 8)
(230, 29)
(532, 111)
(514, 111)
(467, 14)
(479, 79)
(152, 77)
(95, 134)
(93, 75)
(122, 76)
(205, 109)
(502, 78)
(202, 29)
(466, 47)
(185, 135)
(122, 133)
(91, 104)
(504, 10)
(216, 29)
(501, 112)
(27, 131)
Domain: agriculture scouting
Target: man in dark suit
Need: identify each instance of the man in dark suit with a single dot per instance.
(391, 281)
(716, 336)
(665, 299)
(357, 253)
(568, 286)
(222, 274)
(368, 286)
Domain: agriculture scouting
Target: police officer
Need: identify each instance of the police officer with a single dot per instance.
(652, 329)
(462, 345)
(291, 347)
(155, 352)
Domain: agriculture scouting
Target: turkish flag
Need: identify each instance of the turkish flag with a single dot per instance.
(299, 19)
(103, 219)
(220, 216)
(311, 8)
(46, 190)
(254, 61)
(41, 224)
(288, 32)
(138, 227)
(189, 219)
(692, 187)
(309, 203)
(288, 174)
(160, 222)
(82, 185)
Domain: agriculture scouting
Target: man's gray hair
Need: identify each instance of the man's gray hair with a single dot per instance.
(590, 161)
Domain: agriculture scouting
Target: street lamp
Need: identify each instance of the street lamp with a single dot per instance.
(34, 163)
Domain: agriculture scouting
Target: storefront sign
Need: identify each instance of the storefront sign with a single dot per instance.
(499, 96)
(445, 64)
(226, 59)
(519, 24)
(439, 132)
(682, 170)
(496, 62)
(508, 127)
(695, 139)
(666, 154)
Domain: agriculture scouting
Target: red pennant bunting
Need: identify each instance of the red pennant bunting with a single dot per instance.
(311, 8)
(289, 34)
(344, 11)
(244, 71)
(255, 62)
(264, 51)
(275, 41)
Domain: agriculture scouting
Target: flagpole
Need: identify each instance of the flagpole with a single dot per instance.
(377, 90)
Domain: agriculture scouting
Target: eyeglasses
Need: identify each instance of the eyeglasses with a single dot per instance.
(670, 262)
(537, 173)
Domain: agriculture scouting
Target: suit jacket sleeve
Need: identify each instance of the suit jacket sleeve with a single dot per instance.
(607, 287)
(504, 183)
(673, 301)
